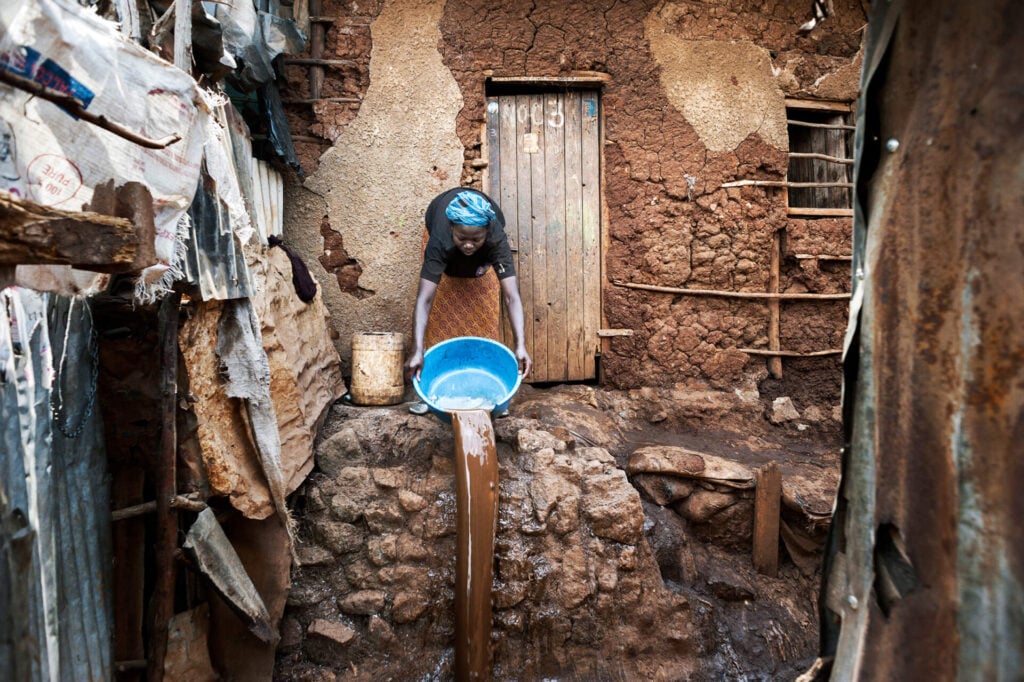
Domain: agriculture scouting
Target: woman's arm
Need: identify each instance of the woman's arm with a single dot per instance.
(514, 306)
(424, 302)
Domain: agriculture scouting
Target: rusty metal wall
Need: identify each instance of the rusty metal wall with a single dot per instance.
(925, 572)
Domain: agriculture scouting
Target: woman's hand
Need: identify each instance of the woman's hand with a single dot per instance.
(525, 361)
(414, 365)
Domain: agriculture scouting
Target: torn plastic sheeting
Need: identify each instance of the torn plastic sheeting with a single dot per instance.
(57, 160)
(215, 557)
(278, 134)
(255, 37)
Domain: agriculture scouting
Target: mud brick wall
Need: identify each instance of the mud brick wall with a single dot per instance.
(695, 98)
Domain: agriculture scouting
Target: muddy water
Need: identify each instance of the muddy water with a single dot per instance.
(476, 480)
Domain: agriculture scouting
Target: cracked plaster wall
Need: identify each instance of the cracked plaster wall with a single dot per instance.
(384, 168)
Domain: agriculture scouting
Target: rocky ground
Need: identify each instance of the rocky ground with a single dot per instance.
(623, 547)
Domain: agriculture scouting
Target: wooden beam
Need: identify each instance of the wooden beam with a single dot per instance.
(820, 212)
(74, 107)
(183, 35)
(767, 502)
(808, 124)
(40, 235)
(315, 61)
(823, 157)
(576, 78)
(733, 294)
(606, 333)
(783, 183)
(791, 353)
(317, 33)
(774, 321)
(814, 256)
(818, 105)
(166, 537)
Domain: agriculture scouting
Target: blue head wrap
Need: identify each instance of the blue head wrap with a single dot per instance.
(469, 208)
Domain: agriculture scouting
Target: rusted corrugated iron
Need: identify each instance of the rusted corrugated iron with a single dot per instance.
(925, 573)
(55, 589)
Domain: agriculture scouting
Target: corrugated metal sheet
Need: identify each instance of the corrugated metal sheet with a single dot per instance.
(925, 573)
(55, 591)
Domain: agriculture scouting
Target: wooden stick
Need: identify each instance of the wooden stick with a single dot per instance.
(791, 353)
(808, 124)
(604, 333)
(166, 540)
(177, 502)
(783, 183)
(767, 499)
(74, 107)
(732, 294)
(338, 100)
(304, 61)
(316, 51)
(811, 256)
(774, 361)
(183, 37)
(820, 212)
(823, 157)
(818, 105)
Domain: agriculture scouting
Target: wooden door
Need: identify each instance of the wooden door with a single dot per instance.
(544, 171)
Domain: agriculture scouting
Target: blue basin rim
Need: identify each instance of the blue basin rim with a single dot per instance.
(472, 356)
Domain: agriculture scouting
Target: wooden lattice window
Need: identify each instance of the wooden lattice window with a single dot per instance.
(820, 172)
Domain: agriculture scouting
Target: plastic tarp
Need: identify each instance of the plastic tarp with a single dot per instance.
(50, 157)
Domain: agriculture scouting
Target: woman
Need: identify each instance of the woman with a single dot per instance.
(467, 238)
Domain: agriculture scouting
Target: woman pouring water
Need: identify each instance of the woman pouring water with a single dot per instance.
(466, 240)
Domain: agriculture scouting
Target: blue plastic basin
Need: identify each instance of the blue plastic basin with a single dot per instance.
(467, 372)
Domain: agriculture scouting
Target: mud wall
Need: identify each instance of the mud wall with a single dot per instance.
(695, 98)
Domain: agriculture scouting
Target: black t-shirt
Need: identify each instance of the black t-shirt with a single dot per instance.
(441, 254)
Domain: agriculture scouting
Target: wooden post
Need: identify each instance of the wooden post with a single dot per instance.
(774, 362)
(183, 35)
(166, 540)
(316, 51)
(767, 503)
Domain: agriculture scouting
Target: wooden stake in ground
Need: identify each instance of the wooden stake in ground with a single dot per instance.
(767, 500)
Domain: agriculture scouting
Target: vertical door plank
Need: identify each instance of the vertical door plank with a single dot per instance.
(501, 180)
(574, 320)
(554, 199)
(534, 126)
(520, 121)
(591, 188)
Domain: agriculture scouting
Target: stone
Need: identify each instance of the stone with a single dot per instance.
(531, 440)
(382, 550)
(314, 556)
(612, 506)
(547, 489)
(388, 478)
(409, 606)
(703, 504)
(363, 602)
(339, 633)
(291, 634)
(607, 577)
(410, 501)
(628, 559)
(340, 450)
(663, 490)
(783, 411)
(590, 454)
(574, 584)
(380, 630)
(814, 414)
(668, 459)
(337, 536)
(410, 549)
(383, 515)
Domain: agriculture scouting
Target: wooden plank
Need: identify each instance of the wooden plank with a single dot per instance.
(590, 145)
(791, 353)
(31, 233)
(576, 351)
(607, 333)
(577, 78)
(317, 34)
(820, 212)
(534, 125)
(520, 115)
(774, 362)
(808, 124)
(767, 499)
(492, 183)
(732, 294)
(554, 200)
(818, 105)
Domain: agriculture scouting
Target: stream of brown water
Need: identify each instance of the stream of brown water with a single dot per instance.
(476, 480)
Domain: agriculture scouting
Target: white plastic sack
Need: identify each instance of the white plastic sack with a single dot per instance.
(52, 158)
